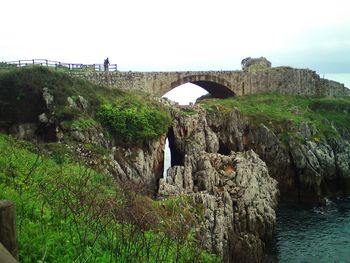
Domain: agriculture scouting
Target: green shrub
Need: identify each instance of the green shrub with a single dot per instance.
(134, 121)
(83, 124)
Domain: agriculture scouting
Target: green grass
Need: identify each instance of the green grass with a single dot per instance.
(67, 212)
(83, 124)
(288, 110)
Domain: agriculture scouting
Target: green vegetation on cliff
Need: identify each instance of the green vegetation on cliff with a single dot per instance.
(67, 212)
(289, 111)
(135, 118)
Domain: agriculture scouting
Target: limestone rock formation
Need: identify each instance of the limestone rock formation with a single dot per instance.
(238, 197)
(137, 164)
(307, 170)
(235, 190)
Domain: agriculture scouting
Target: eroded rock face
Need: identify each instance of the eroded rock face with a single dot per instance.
(137, 164)
(142, 165)
(236, 191)
(238, 197)
(307, 170)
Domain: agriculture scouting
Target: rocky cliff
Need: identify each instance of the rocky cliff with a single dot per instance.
(307, 168)
(235, 189)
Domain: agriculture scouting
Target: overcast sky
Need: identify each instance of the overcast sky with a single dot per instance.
(161, 35)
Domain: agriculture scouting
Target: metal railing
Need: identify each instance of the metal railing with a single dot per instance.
(57, 64)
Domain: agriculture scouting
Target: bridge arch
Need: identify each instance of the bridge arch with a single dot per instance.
(217, 87)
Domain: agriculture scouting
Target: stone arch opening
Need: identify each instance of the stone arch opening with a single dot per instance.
(215, 86)
(186, 94)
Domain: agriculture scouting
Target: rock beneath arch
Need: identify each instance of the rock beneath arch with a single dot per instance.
(236, 192)
(238, 198)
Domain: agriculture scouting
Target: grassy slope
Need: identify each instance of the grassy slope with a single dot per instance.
(67, 212)
(289, 111)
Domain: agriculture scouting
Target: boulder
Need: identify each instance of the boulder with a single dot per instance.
(251, 64)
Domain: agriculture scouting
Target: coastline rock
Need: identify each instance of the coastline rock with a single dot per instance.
(308, 169)
(237, 194)
(238, 197)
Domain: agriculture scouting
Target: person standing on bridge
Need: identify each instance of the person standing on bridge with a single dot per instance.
(106, 64)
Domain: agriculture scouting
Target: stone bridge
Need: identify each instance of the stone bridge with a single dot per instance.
(223, 84)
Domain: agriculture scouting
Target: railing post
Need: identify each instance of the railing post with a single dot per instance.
(8, 227)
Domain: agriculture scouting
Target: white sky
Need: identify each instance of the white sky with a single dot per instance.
(161, 35)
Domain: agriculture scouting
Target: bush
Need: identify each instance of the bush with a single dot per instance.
(134, 121)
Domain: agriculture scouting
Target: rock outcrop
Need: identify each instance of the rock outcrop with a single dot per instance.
(141, 164)
(237, 194)
(238, 198)
(251, 64)
(307, 170)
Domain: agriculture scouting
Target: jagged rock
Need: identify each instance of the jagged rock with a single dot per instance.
(307, 170)
(304, 130)
(71, 103)
(83, 103)
(48, 98)
(79, 136)
(236, 191)
(43, 118)
(342, 157)
(79, 103)
(24, 130)
(143, 165)
(246, 211)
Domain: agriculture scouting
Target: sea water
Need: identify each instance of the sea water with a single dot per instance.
(313, 234)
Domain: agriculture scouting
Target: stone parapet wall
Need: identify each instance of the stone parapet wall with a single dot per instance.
(283, 80)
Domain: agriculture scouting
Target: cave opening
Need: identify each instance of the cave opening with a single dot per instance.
(223, 149)
(185, 94)
(172, 155)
